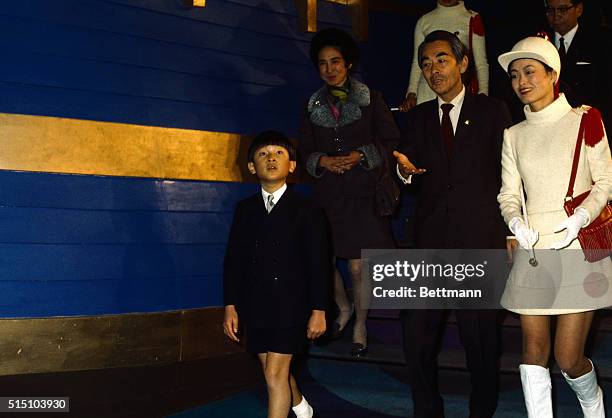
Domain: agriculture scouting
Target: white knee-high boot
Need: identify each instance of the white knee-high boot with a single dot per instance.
(589, 393)
(537, 390)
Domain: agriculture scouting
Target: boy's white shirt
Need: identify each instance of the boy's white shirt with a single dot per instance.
(277, 194)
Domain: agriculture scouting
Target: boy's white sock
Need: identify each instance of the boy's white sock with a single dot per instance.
(303, 409)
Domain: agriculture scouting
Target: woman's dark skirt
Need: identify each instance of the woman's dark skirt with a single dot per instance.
(355, 225)
(277, 340)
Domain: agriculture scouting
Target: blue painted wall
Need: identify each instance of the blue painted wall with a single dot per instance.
(82, 245)
(85, 245)
(234, 66)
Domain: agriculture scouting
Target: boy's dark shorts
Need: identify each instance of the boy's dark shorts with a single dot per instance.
(277, 340)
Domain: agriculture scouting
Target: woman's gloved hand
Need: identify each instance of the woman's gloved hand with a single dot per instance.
(526, 236)
(572, 226)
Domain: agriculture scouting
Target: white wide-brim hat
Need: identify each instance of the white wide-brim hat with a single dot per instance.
(536, 48)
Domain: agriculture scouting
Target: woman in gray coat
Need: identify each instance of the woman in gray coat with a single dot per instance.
(340, 126)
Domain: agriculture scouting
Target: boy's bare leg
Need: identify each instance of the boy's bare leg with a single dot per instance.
(300, 406)
(276, 371)
(296, 395)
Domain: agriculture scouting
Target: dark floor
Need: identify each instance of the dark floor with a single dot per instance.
(135, 392)
(332, 381)
(367, 390)
(196, 390)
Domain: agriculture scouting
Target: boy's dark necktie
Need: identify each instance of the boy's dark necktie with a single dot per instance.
(270, 203)
(447, 129)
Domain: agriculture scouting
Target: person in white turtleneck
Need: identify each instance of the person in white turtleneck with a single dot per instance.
(537, 157)
(451, 16)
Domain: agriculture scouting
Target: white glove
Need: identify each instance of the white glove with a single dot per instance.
(526, 236)
(572, 226)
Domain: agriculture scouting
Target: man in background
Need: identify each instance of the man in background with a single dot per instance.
(585, 57)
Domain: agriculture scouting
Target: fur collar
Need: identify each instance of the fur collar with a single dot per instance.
(321, 114)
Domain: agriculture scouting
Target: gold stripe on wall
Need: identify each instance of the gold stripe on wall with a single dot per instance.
(63, 145)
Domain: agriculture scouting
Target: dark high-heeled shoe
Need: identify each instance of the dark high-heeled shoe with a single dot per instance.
(337, 331)
(358, 350)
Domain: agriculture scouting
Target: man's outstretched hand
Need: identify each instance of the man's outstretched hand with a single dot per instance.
(406, 167)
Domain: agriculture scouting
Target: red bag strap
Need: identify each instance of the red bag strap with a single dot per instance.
(570, 189)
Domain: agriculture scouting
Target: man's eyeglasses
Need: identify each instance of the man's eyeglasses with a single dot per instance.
(561, 11)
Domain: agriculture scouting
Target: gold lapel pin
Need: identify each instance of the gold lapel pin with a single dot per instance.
(467, 122)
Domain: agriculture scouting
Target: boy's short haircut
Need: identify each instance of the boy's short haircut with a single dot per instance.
(271, 138)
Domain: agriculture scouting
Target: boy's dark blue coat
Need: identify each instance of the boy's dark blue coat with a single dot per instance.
(277, 265)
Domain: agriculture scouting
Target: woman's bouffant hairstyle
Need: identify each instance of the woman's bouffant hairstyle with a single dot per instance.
(338, 39)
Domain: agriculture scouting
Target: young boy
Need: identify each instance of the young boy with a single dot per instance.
(276, 272)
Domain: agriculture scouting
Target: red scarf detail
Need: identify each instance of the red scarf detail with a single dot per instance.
(334, 109)
(593, 127)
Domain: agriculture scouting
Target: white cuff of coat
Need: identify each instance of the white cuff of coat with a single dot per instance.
(513, 222)
(584, 214)
(402, 178)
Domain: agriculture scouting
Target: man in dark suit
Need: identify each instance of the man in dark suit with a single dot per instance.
(455, 141)
(585, 57)
(277, 272)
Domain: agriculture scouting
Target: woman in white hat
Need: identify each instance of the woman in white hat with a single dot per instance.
(537, 158)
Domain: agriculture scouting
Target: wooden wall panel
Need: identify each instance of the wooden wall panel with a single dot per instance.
(29, 299)
(76, 245)
(62, 262)
(66, 191)
(122, 79)
(52, 226)
(90, 244)
(42, 100)
(79, 343)
(229, 67)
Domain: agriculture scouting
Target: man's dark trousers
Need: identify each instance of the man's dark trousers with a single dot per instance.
(457, 209)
